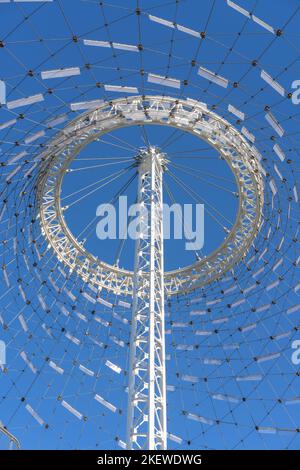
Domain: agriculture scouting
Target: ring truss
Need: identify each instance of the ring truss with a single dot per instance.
(189, 116)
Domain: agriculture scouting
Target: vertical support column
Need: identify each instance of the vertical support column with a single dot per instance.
(146, 420)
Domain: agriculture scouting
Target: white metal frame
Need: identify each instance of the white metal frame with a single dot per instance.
(146, 415)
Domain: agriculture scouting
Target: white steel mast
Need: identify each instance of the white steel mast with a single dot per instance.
(147, 419)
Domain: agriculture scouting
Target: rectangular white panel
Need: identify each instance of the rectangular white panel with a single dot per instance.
(248, 134)
(189, 31)
(17, 157)
(217, 79)
(7, 124)
(60, 73)
(230, 399)
(293, 309)
(121, 89)
(165, 81)
(23, 323)
(34, 137)
(72, 410)
(238, 8)
(275, 124)
(236, 112)
(86, 105)
(34, 414)
(105, 403)
(95, 43)
(279, 152)
(125, 47)
(86, 371)
(55, 367)
(201, 419)
(113, 366)
(263, 24)
(156, 19)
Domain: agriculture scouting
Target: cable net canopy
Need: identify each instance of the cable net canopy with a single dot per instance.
(231, 343)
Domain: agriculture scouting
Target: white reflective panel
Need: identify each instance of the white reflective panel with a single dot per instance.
(266, 430)
(113, 366)
(189, 31)
(34, 137)
(262, 308)
(42, 301)
(81, 316)
(117, 341)
(275, 124)
(212, 362)
(72, 338)
(236, 112)
(263, 24)
(7, 124)
(203, 333)
(25, 101)
(246, 328)
(86, 371)
(249, 378)
(237, 303)
(29, 1)
(60, 73)
(72, 410)
(165, 81)
(86, 105)
(101, 321)
(277, 264)
(293, 401)
(198, 312)
(34, 414)
(121, 89)
(23, 322)
(17, 157)
(217, 321)
(28, 362)
(248, 134)
(238, 8)
(272, 285)
(2, 92)
(201, 419)
(89, 297)
(273, 187)
(293, 309)
(105, 403)
(279, 152)
(272, 82)
(230, 399)
(278, 172)
(156, 19)
(295, 194)
(105, 302)
(174, 438)
(125, 47)
(122, 444)
(217, 79)
(268, 357)
(92, 42)
(124, 304)
(55, 367)
(213, 302)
